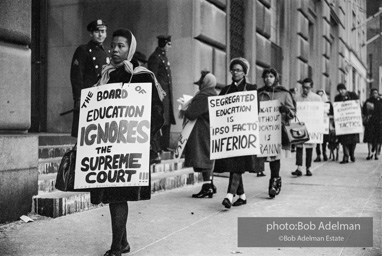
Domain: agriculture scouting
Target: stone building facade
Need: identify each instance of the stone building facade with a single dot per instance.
(300, 38)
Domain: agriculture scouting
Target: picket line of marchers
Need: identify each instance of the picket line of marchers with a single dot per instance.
(113, 119)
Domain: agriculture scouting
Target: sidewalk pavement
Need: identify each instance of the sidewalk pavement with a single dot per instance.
(173, 223)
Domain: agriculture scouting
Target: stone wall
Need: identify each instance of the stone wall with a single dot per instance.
(18, 150)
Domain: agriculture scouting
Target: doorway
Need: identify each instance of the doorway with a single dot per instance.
(38, 66)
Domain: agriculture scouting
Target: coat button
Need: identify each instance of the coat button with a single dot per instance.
(96, 66)
(94, 58)
(90, 50)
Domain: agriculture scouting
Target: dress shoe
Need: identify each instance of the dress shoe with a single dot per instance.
(112, 253)
(274, 187)
(297, 173)
(325, 158)
(239, 202)
(206, 190)
(260, 174)
(352, 158)
(376, 157)
(227, 204)
(308, 173)
(318, 159)
(369, 157)
(344, 162)
(126, 249)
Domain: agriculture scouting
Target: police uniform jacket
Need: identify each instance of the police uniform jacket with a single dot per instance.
(160, 66)
(86, 68)
(238, 164)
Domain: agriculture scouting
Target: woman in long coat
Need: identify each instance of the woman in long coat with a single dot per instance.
(197, 151)
(372, 114)
(236, 166)
(348, 141)
(272, 90)
(123, 46)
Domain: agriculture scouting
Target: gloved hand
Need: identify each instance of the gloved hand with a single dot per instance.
(284, 109)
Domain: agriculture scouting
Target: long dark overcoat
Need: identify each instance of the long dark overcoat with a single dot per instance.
(240, 163)
(122, 194)
(197, 151)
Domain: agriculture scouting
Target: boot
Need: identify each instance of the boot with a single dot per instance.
(214, 189)
(207, 190)
(345, 160)
(274, 187)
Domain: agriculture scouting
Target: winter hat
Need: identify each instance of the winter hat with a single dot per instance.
(341, 86)
(242, 62)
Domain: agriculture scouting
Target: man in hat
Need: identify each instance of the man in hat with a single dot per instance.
(160, 66)
(86, 65)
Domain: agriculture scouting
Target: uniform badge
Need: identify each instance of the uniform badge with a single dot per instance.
(107, 60)
(76, 63)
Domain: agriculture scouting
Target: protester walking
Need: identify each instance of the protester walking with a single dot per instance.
(197, 150)
(236, 166)
(306, 95)
(123, 46)
(372, 116)
(348, 141)
(328, 114)
(272, 90)
(86, 66)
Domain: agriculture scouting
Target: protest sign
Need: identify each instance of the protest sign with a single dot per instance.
(347, 117)
(312, 114)
(234, 126)
(326, 118)
(183, 138)
(113, 141)
(270, 128)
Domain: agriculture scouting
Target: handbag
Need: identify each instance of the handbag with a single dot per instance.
(294, 133)
(65, 173)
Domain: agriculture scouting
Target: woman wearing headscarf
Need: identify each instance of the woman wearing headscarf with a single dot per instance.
(121, 69)
(197, 151)
(236, 166)
(348, 141)
(372, 114)
(272, 90)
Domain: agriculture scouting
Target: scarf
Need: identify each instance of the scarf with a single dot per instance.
(129, 68)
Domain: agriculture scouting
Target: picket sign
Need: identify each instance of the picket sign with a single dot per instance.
(113, 141)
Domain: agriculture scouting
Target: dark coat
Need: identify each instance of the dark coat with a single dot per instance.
(241, 163)
(347, 138)
(85, 70)
(197, 151)
(373, 125)
(121, 194)
(160, 66)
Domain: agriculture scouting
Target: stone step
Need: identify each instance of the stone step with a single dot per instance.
(48, 171)
(50, 158)
(57, 203)
(53, 151)
(55, 139)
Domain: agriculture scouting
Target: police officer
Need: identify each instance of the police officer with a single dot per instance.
(87, 63)
(160, 66)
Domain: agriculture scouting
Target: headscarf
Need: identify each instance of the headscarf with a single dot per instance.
(128, 66)
(275, 74)
(209, 81)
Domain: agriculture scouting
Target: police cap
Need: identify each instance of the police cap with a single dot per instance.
(163, 40)
(95, 25)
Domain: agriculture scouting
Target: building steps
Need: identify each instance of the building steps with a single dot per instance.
(169, 174)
